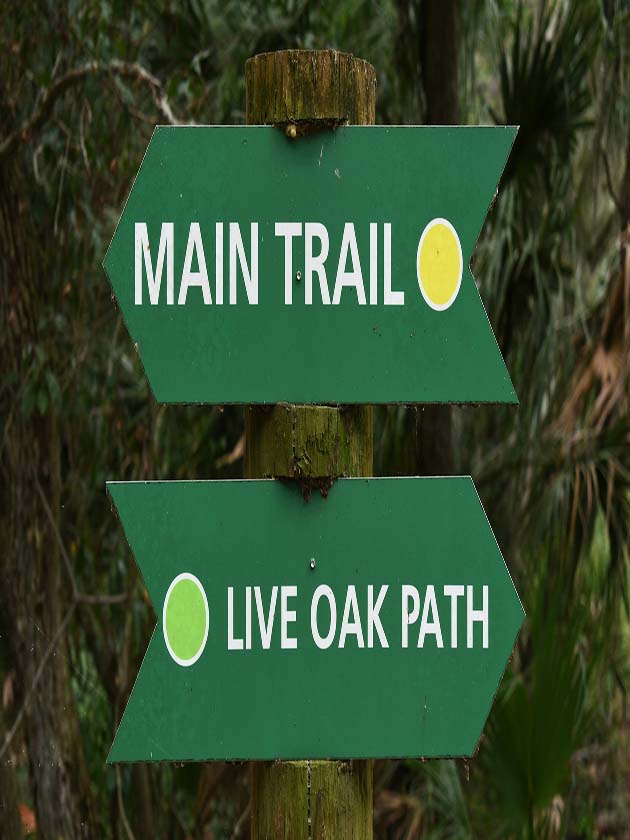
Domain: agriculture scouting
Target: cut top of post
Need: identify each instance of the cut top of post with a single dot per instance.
(306, 87)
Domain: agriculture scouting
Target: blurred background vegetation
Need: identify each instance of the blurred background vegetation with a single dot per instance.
(82, 83)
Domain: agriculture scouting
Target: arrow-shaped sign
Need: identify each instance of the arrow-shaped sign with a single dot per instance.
(333, 268)
(375, 622)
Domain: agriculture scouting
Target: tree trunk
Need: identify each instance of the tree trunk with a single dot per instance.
(33, 595)
(439, 57)
(10, 821)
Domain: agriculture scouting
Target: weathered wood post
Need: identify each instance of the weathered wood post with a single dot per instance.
(302, 91)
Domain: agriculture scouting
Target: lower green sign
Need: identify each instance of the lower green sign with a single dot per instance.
(375, 622)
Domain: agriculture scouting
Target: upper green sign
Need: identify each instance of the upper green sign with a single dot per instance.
(376, 622)
(333, 268)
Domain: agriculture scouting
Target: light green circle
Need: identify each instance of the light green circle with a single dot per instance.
(185, 622)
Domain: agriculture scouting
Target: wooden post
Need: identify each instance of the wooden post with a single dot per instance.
(302, 91)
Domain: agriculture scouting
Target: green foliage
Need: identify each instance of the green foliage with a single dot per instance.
(447, 801)
(544, 82)
(538, 721)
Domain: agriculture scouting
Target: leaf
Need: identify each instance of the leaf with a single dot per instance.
(42, 401)
(27, 816)
(54, 391)
(29, 397)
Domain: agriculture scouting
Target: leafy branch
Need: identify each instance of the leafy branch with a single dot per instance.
(121, 69)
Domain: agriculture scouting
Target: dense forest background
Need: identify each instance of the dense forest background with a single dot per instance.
(82, 85)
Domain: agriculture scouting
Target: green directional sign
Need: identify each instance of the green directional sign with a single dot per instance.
(375, 622)
(335, 268)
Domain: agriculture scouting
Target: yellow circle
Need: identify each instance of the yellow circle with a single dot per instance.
(439, 264)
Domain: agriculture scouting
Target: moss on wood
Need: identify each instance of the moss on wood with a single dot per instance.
(311, 800)
(308, 442)
(313, 86)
